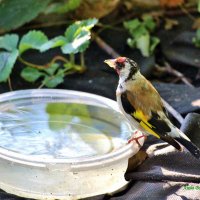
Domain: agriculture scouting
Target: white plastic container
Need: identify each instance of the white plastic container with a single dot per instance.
(62, 178)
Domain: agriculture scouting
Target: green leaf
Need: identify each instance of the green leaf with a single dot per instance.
(88, 23)
(31, 74)
(52, 82)
(55, 42)
(8, 60)
(79, 28)
(143, 43)
(154, 42)
(52, 69)
(140, 31)
(149, 22)
(132, 24)
(32, 40)
(9, 42)
(131, 42)
(63, 7)
(196, 39)
(79, 44)
(198, 6)
(72, 31)
(78, 36)
(140, 35)
(14, 13)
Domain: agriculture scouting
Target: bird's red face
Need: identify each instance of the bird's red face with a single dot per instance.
(125, 67)
(118, 64)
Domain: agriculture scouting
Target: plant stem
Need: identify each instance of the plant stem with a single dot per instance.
(56, 58)
(10, 84)
(82, 59)
(72, 58)
(31, 64)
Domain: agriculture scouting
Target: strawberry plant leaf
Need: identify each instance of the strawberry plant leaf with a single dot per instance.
(8, 60)
(31, 74)
(63, 6)
(53, 81)
(143, 43)
(78, 36)
(131, 42)
(52, 69)
(196, 39)
(75, 29)
(132, 24)
(9, 42)
(140, 32)
(88, 23)
(154, 41)
(79, 44)
(55, 42)
(32, 40)
(149, 23)
(15, 13)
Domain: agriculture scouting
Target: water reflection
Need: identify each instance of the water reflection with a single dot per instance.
(62, 130)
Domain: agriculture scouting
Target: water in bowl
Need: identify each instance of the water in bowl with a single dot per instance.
(61, 130)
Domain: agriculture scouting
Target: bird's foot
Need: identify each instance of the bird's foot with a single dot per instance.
(136, 138)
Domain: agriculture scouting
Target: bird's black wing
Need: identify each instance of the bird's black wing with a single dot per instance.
(154, 125)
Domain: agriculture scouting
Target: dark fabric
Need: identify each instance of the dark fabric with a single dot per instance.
(165, 174)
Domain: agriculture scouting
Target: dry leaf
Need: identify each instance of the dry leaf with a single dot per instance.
(136, 160)
(170, 23)
(171, 3)
(196, 24)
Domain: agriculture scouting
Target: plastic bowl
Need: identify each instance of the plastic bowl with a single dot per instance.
(72, 177)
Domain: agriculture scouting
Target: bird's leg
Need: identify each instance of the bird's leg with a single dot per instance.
(136, 138)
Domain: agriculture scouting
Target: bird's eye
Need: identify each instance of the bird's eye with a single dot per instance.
(119, 65)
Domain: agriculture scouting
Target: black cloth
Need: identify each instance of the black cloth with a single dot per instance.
(166, 173)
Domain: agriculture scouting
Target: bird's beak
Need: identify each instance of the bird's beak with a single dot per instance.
(110, 63)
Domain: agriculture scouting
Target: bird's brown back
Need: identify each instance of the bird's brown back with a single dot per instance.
(143, 96)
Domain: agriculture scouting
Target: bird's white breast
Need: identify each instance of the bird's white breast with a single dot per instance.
(134, 124)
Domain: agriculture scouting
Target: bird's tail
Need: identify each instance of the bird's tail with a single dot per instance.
(192, 148)
(180, 137)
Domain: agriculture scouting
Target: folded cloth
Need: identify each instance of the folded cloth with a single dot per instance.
(165, 174)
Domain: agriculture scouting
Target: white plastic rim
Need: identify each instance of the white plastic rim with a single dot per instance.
(103, 164)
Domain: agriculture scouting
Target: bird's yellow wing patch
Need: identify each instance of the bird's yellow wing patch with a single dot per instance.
(144, 122)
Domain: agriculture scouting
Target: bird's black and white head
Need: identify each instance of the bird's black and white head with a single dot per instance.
(125, 67)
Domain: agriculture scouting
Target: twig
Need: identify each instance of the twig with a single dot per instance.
(10, 84)
(171, 110)
(168, 68)
(184, 10)
(178, 74)
(103, 45)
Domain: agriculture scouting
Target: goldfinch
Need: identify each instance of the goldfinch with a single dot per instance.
(142, 105)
